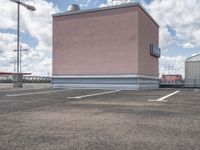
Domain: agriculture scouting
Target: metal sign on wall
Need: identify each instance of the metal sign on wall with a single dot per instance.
(155, 50)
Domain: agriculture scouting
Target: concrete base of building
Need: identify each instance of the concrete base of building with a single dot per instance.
(122, 82)
(17, 80)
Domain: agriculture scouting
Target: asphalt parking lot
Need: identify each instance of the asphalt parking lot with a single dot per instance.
(51, 119)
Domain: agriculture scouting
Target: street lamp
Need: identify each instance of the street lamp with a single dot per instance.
(30, 7)
(18, 76)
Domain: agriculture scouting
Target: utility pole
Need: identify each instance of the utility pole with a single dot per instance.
(20, 57)
(169, 68)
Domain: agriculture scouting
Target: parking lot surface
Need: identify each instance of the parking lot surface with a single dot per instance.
(82, 119)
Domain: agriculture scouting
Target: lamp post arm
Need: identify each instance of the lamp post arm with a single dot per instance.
(29, 7)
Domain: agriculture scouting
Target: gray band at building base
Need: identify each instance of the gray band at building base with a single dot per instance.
(97, 82)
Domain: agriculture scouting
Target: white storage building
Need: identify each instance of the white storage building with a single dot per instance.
(192, 71)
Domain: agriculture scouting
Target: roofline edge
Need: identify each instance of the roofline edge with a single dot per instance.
(191, 57)
(107, 8)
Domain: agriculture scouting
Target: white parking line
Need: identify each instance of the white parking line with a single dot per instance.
(94, 94)
(24, 94)
(21, 89)
(162, 99)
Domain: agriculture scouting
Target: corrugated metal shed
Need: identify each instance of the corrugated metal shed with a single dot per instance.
(192, 71)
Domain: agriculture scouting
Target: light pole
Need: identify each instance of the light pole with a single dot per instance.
(17, 81)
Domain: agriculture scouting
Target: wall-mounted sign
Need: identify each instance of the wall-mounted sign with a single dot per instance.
(154, 50)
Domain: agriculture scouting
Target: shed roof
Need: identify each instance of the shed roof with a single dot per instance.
(194, 58)
(106, 8)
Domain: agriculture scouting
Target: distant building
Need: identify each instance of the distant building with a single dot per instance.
(171, 79)
(110, 47)
(192, 71)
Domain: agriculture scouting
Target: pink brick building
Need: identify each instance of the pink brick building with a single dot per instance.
(110, 47)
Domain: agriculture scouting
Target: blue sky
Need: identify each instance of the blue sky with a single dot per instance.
(178, 20)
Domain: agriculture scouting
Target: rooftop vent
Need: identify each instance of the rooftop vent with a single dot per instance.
(73, 7)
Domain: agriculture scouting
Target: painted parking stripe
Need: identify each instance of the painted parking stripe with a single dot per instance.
(94, 94)
(24, 94)
(23, 89)
(163, 99)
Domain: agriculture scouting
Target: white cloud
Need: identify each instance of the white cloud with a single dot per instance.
(85, 3)
(7, 55)
(165, 38)
(8, 14)
(182, 16)
(115, 2)
(172, 65)
(195, 54)
(188, 45)
(7, 46)
(37, 24)
(7, 37)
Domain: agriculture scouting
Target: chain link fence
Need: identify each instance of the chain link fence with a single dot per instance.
(26, 79)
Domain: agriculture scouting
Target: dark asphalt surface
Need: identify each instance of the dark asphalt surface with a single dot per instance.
(124, 120)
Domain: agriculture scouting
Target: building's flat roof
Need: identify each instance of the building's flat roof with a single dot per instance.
(106, 8)
(194, 58)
